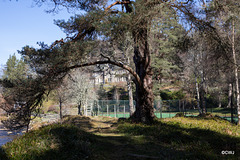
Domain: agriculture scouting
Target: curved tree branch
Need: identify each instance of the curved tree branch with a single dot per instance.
(90, 29)
(118, 2)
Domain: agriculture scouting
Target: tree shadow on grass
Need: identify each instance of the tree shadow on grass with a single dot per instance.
(159, 141)
(3, 155)
(193, 143)
(58, 142)
(223, 110)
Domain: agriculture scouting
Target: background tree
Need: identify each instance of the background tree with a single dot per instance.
(165, 36)
(62, 96)
(81, 89)
(15, 69)
(23, 98)
(126, 51)
(226, 17)
(23, 92)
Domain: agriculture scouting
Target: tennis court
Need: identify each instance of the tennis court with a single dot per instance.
(162, 108)
(127, 115)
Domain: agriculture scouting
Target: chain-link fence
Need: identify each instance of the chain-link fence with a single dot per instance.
(162, 109)
(112, 108)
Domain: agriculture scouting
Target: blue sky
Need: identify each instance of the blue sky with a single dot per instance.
(23, 23)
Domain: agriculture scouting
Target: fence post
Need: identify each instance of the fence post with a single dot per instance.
(124, 110)
(183, 107)
(98, 110)
(117, 109)
(107, 110)
(102, 109)
(179, 106)
(161, 109)
(169, 110)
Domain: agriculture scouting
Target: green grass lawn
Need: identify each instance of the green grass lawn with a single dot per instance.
(103, 138)
(223, 112)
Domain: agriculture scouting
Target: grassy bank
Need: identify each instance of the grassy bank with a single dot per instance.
(105, 138)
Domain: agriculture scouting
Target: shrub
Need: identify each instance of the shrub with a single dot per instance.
(180, 114)
(172, 95)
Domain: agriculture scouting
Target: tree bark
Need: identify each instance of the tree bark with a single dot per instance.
(144, 94)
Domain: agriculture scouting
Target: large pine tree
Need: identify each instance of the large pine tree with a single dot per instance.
(110, 24)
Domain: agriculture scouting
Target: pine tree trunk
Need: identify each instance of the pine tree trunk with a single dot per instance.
(144, 94)
(144, 102)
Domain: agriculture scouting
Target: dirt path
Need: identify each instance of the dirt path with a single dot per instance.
(122, 147)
